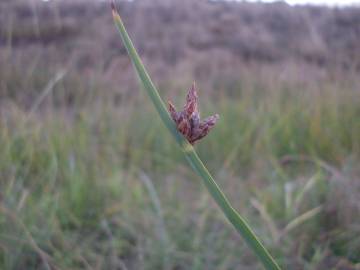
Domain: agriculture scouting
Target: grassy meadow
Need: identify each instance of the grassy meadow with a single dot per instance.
(91, 179)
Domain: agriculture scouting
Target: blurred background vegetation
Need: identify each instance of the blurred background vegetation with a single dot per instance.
(90, 178)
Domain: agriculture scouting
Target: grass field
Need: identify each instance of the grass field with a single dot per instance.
(99, 185)
(91, 179)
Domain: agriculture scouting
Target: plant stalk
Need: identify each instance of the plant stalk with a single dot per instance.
(234, 218)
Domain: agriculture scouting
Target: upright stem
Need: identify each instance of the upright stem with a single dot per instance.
(235, 219)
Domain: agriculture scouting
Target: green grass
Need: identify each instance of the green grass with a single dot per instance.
(90, 178)
(73, 194)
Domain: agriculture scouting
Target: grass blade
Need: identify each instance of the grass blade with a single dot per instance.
(235, 219)
(301, 219)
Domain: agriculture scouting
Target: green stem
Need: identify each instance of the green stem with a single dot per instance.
(235, 219)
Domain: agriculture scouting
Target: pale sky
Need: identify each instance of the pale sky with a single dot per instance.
(317, 2)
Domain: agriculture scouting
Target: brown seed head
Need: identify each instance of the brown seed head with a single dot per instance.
(188, 120)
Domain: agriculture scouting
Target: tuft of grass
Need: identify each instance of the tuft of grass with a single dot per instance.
(72, 183)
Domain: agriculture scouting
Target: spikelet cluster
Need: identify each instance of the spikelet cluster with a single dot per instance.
(188, 120)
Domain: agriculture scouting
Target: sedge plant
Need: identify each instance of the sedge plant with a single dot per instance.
(178, 125)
